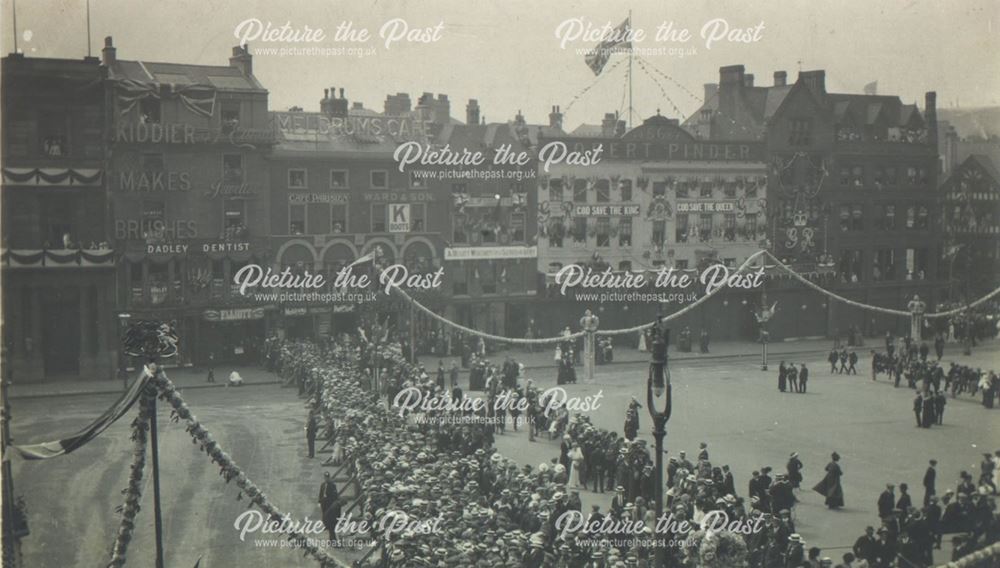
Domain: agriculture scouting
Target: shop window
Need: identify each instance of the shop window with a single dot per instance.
(625, 188)
(487, 278)
(338, 218)
(603, 232)
(459, 236)
(232, 168)
(800, 132)
(297, 179)
(603, 191)
(230, 116)
(517, 227)
(459, 280)
(234, 218)
(681, 231)
(659, 233)
(681, 264)
(338, 179)
(417, 181)
(158, 282)
(916, 263)
(705, 226)
(149, 110)
(555, 189)
(153, 218)
(850, 266)
(418, 217)
(705, 188)
(380, 213)
(580, 191)
(751, 226)
(296, 219)
(625, 232)
(379, 179)
(729, 262)
(580, 229)
(625, 266)
(729, 231)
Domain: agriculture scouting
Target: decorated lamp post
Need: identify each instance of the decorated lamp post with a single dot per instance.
(658, 389)
(917, 308)
(764, 315)
(589, 322)
(153, 340)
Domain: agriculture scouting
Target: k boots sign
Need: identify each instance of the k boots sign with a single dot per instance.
(399, 218)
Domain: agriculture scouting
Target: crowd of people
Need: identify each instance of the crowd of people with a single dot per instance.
(793, 379)
(441, 463)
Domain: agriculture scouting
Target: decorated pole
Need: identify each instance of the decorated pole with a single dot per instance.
(917, 308)
(589, 322)
(658, 385)
(153, 340)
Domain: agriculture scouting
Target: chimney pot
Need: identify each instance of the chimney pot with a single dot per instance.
(341, 92)
(780, 78)
(109, 55)
(748, 80)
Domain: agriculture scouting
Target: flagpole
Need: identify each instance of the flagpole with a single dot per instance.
(14, 21)
(89, 43)
(630, 48)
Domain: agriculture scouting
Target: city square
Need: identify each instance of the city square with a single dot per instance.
(513, 284)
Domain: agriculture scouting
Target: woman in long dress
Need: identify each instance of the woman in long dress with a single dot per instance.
(830, 487)
(576, 457)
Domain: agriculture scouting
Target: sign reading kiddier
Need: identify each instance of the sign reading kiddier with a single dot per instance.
(705, 206)
(606, 211)
(399, 218)
(489, 253)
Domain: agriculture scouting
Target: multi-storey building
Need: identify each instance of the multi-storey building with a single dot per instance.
(490, 256)
(970, 212)
(656, 198)
(187, 177)
(337, 194)
(852, 192)
(58, 266)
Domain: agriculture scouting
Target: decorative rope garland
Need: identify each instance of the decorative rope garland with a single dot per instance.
(133, 493)
(230, 471)
(743, 267)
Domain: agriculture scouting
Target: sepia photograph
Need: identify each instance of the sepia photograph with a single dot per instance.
(411, 283)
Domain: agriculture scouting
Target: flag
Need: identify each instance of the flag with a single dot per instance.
(69, 443)
(370, 257)
(598, 57)
(871, 88)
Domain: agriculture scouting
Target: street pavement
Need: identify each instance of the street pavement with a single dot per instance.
(727, 402)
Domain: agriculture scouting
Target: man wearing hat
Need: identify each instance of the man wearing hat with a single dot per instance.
(886, 501)
(329, 503)
(930, 478)
(795, 553)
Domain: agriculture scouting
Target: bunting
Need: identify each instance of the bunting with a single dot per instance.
(67, 444)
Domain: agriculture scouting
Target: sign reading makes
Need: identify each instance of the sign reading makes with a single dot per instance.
(606, 211)
(399, 218)
(706, 206)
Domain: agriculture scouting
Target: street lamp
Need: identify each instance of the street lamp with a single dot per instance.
(123, 358)
(658, 387)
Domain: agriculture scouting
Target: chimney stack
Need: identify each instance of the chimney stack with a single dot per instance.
(748, 80)
(242, 59)
(472, 112)
(711, 90)
(816, 81)
(609, 124)
(556, 118)
(338, 105)
(731, 81)
(780, 78)
(397, 104)
(325, 105)
(930, 117)
(620, 127)
(109, 55)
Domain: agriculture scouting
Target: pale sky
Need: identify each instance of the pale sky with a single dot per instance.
(505, 53)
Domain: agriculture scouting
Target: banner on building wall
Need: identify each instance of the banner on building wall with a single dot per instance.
(399, 218)
(489, 253)
(234, 314)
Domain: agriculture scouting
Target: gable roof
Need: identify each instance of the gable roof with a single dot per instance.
(221, 77)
